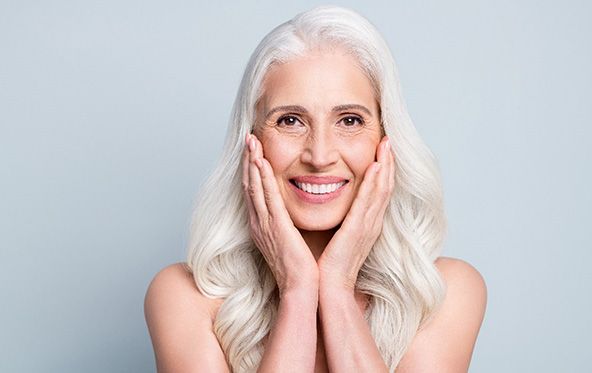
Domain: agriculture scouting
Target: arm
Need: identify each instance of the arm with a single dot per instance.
(180, 318)
(349, 344)
(445, 343)
(180, 323)
(291, 346)
(292, 341)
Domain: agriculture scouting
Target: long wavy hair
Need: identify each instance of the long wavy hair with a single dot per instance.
(399, 275)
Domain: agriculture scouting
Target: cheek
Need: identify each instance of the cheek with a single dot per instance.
(361, 155)
(280, 154)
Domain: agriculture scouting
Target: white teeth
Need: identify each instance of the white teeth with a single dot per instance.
(319, 188)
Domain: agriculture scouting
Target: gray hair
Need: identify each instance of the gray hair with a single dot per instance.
(399, 275)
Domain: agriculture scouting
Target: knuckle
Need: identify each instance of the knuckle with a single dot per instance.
(270, 221)
(268, 195)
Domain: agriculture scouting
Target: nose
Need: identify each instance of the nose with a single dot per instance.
(320, 150)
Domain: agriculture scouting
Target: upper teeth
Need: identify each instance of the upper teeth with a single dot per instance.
(319, 188)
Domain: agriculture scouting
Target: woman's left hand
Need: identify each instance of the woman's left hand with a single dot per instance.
(348, 249)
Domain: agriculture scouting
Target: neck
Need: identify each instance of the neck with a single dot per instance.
(317, 240)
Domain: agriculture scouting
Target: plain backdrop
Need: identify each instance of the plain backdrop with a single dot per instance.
(112, 113)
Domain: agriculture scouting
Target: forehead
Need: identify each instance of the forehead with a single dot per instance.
(318, 80)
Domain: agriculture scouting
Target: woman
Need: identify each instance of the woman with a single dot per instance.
(315, 243)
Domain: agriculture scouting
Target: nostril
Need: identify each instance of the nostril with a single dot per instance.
(320, 158)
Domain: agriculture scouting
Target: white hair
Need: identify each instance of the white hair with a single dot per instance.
(399, 275)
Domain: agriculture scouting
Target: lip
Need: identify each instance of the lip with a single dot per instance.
(317, 198)
(319, 179)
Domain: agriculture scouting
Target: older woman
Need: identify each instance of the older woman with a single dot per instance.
(315, 243)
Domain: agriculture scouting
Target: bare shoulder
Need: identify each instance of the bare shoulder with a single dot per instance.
(174, 286)
(180, 322)
(460, 275)
(458, 320)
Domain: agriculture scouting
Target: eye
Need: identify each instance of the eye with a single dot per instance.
(352, 121)
(288, 121)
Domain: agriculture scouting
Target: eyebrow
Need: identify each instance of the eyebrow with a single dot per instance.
(302, 110)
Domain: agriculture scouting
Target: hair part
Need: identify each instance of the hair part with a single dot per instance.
(399, 275)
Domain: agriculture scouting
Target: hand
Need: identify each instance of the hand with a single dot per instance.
(348, 249)
(274, 233)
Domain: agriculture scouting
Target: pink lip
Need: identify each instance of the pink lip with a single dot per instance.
(317, 198)
(319, 179)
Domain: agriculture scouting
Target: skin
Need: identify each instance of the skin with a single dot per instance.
(319, 142)
(315, 250)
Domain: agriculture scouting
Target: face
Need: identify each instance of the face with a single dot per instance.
(318, 121)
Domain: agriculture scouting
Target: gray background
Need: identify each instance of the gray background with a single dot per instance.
(113, 112)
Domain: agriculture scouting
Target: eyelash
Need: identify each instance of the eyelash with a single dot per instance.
(281, 119)
(360, 120)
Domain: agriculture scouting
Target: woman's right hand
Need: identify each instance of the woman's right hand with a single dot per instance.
(274, 233)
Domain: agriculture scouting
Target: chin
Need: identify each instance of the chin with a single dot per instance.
(313, 223)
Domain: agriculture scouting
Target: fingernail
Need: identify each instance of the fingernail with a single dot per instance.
(258, 163)
(377, 167)
(252, 144)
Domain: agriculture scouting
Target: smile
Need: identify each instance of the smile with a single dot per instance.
(319, 188)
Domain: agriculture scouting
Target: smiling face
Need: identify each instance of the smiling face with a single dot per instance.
(318, 121)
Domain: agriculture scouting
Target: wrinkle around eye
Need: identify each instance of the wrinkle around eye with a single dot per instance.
(368, 126)
(298, 126)
(282, 121)
(360, 121)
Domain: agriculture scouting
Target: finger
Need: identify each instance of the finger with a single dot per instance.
(258, 147)
(245, 184)
(372, 196)
(255, 186)
(273, 198)
(382, 187)
(381, 164)
(392, 169)
(376, 184)
(271, 191)
(245, 164)
(364, 197)
(245, 168)
(382, 151)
